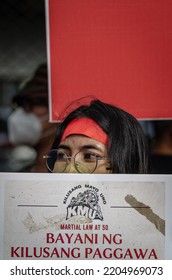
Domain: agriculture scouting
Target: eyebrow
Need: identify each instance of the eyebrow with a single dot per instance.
(66, 147)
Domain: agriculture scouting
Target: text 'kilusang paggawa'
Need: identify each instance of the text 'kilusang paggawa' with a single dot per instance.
(86, 246)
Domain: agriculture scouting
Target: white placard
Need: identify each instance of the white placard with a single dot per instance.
(68, 216)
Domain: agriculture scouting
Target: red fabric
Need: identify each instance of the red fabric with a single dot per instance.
(118, 51)
(87, 127)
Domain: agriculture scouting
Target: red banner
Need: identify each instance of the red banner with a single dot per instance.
(117, 51)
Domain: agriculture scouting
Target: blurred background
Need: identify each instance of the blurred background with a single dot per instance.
(22, 52)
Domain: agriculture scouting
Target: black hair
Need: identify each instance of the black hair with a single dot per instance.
(127, 144)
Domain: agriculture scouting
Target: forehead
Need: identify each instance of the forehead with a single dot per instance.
(79, 141)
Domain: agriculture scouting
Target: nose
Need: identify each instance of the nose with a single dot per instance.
(71, 168)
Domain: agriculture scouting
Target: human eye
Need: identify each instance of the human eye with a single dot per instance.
(61, 156)
(90, 157)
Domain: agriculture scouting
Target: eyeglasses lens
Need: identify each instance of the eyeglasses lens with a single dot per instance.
(85, 162)
(58, 162)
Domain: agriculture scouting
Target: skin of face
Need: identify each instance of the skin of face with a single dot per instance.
(75, 143)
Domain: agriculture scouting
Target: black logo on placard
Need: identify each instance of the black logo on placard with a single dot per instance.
(85, 204)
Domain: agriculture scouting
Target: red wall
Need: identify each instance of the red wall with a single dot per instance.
(117, 50)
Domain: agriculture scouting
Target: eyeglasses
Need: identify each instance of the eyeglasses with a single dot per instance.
(84, 161)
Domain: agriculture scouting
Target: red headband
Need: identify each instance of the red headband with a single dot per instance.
(87, 127)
